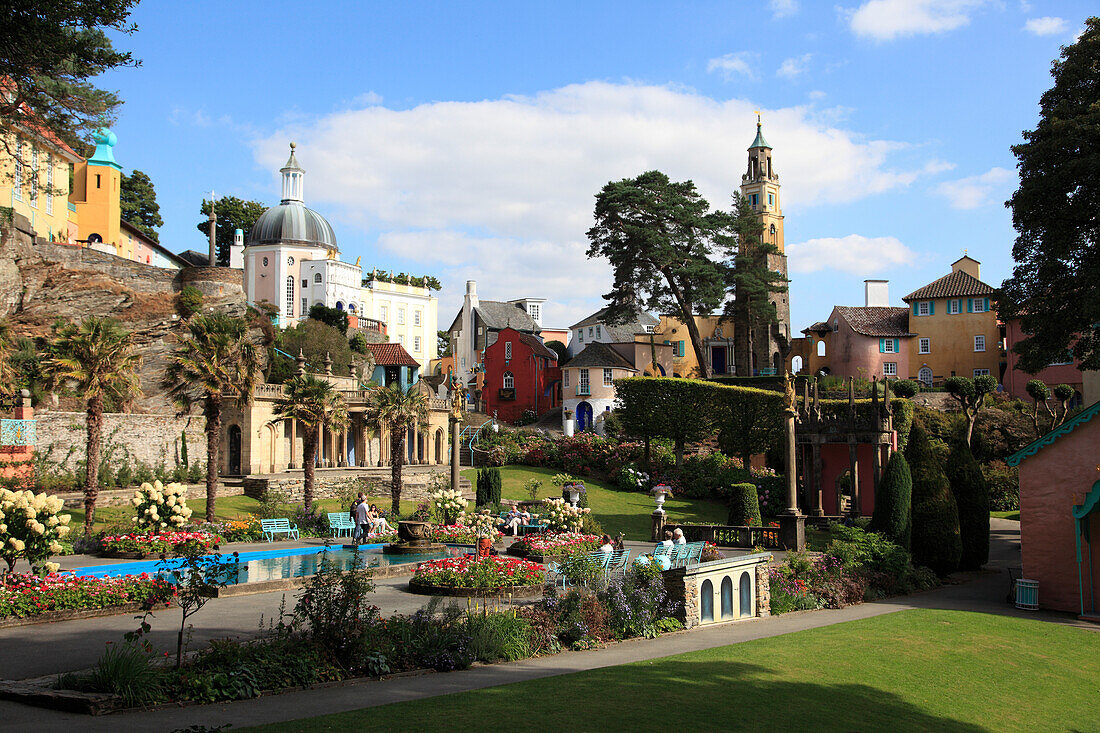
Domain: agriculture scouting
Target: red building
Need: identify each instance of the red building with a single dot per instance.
(1066, 371)
(520, 374)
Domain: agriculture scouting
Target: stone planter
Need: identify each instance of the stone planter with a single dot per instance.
(413, 532)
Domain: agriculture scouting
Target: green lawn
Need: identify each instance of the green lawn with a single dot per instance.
(618, 511)
(916, 670)
(1014, 514)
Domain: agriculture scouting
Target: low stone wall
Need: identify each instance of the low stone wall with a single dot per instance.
(327, 484)
(151, 439)
(214, 282)
(703, 604)
(136, 276)
(116, 497)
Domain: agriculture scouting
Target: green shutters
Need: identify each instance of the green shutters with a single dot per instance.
(915, 305)
(969, 305)
(897, 346)
(680, 348)
(882, 346)
(987, 305)
(931, 307)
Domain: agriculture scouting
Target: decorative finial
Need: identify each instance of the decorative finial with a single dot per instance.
(293, 145)
(757, 117)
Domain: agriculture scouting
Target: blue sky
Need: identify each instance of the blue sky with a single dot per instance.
(467, 140)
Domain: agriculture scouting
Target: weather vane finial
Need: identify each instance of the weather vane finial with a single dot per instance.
(757, 117)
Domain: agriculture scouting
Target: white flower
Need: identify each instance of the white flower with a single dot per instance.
(65, 518)
(64, 530)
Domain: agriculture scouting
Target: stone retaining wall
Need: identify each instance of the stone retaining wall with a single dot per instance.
(151, 439)
(327, 485)
(686, 585)
(116, 497)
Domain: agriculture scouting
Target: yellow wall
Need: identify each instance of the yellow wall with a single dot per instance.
(952, 341)
(96, 195)
(50, 219)
(673, 329)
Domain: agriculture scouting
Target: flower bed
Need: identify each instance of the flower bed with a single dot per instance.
(551, 544)
(457, 534)
(29, 595)
(142, 545)
(469, 576)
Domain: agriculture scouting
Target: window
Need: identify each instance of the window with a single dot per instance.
(34, 177)
(416, 318)
(924, 308)
(977, 305)
(509, 381)
(17, 187)
(925, 376)
(383, 313)
(464, 362)
(953, 307)
(1064, 360)
(533, 311)
(507, 349)
(305, 283)
(926, 346)
(679, 348)
(598, 332)
(821, 348)
(416, 344)
(888, 346)
(589, 332)
(981, 372)
(979, 343)
(565, 378)
(49, 184)
(890, 369)
(580, 335)
(649, 329)
(316, 276)
(607, 377)
(836, 325)
(582, 381)
(401, 339)
(771, 201)
(305, 305)
(400, 316)
(754, 199)
(290, 297)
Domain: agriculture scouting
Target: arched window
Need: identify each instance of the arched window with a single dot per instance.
(727, 597)
(317, 277)
(509, 380)
(925, 375)
(339, 305)
(706, 602)
(351, 307)
(745, 598)
(796, 365)
(290, 297)
(821, 348)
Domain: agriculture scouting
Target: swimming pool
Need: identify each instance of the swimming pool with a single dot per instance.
(265, 565)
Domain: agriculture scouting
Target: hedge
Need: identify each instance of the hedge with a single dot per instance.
(893, 515)
(972, 496)
(936, 542)
(488, 487)
(744, 505)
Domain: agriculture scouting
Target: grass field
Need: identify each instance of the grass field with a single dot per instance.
(1015, 514)
(618, 511)
(919, 670)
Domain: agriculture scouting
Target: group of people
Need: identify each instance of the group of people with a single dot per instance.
(368, 520)
(513, 520)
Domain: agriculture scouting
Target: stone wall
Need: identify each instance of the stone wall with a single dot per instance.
(328, 483)
(214, 282)
(684, 585)
(115, 497)
(151, 439)
(136, 276)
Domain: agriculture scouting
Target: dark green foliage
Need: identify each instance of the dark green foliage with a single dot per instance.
(358, 343)
(905, 388)
(315, 340)
(494, 485)
(190, 301)
(972, 496)
(1054, 290)
(487, 487)
(335, 608)
(183, 448)
(744, 505)
(935, 537)
(1004, 486)
(971, 395)
(138, 201)
(233, 214)
(560, 349)
(893, 516)
(334, 317)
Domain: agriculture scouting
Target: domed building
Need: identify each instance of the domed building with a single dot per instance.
(291, 259)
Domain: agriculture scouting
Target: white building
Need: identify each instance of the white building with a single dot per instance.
(595, 330)
(410, 314)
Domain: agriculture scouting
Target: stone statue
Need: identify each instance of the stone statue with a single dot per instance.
(788, 393)
(458, 397)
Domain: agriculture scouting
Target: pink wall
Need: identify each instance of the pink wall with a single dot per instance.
(834, 462)
(853, 352)
(1051, 482)
(1015, 381)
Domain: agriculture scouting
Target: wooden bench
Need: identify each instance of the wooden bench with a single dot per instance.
(340, 524)
(272, 527)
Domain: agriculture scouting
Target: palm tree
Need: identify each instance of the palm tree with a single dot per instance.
(216, 361)
(95, 360)
(397, 410)
(313, 402)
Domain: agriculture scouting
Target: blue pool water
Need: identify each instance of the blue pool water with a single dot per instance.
(299, 562)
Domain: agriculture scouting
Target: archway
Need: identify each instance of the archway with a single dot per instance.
(439, 445)
(796, 365)
(706, 602)
(234, 450)
(925, 376)
(745, 595)
(844, 492)
(584, 416)
(727, 597)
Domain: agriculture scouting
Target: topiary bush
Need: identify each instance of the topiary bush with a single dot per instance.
(905, 388)
(487, 487)
(972, 496)
(893, 517)
(935, 537)
(744, 505)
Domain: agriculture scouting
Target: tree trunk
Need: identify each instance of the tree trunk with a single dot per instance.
(94, 420)
(689, 321)
(679, 452)
(213, 442)
(309, 446)
(970, 419)
(397, 461)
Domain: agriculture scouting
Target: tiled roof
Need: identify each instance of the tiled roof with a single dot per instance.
(537, 346)
(819, 327)
(956, 285)
(600, 355)
(620, 331)
(876, 320)
(392, 355)
(495, 314)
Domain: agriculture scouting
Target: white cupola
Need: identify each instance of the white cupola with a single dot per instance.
(293, 178)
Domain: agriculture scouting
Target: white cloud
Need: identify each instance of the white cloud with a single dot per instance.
(975, 191)
(1046, 26)
(794, 66)
(783, 8)
(733, 64)
(502, 190)
(816, 94)
(885, 20)
(854, 253)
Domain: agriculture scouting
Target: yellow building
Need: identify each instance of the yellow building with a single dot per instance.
(96, 194)
(717, 335)
(955, 322)
(37, 176)
(411, 315)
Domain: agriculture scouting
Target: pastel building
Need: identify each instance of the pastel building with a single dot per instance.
(588, 382)
(37, 173)
(1066, 370)
(408, 313)
(718, 345)
(521, 374)
(596, 329)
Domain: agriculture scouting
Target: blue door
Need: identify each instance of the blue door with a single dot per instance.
(718, 359)
(584, 416)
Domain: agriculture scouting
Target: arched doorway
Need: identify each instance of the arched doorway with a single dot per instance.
(234, 450)
(439, 445)
(925, 376)
(727, 597)
(584, 416)
(706, 602)
(796, 365)
(745, 595)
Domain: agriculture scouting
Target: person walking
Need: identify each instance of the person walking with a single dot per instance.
(362, 521)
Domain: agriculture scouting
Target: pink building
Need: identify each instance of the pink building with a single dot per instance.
(1066, 371)
(872, 341)
(1060, 514)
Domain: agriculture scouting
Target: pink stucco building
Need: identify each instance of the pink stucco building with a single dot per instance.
(1064, 371)
(872, 341)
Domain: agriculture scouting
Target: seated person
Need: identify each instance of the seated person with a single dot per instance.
(378, 523)
(606, 546)
(678, 537)
(667, 541)
(512, 521)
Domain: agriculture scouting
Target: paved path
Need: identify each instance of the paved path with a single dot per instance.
(982, 592)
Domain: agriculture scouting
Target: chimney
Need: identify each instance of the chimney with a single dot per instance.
(471, 287)
(876, 293)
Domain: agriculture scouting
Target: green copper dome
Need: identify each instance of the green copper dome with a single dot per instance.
(759, 142)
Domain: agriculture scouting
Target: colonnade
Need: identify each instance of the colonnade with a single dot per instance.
(359, 444)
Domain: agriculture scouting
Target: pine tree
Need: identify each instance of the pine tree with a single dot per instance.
(138, 202)
(935, 540)
(972, 495)
(893, 515)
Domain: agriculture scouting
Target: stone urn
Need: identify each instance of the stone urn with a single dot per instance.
(413, 532)
(660, 493)
(573, 492)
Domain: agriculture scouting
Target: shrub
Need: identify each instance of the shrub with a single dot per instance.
(972, 495)
(562, 517)
(31, 528)
(127, 670)
(488, 487)
(161, 507)
(449, 504)
(190, 301)
(935, 537)
(744, 506)
(905, 388)
(637, 603)
(1004, 486)
(893, 515)
(358, 343)
(335, 608)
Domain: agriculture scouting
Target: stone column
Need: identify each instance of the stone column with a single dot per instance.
(876, 464)
(319, 459)
(792, 523)
(658, 519)
(293, 435)
(763, 591)
(853, 466)
(817, 471)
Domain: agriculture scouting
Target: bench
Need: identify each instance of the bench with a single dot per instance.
(272, 527)
(340, 524)
(535, 527)
(617, 562)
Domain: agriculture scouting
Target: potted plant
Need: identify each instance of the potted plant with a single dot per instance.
(660, 493)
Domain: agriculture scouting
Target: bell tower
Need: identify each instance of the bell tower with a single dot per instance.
(760, 186)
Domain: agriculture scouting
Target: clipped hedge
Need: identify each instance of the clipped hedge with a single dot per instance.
(488, 487)
(893, 517)
(744, 503)
(936, 542)
(972, 496)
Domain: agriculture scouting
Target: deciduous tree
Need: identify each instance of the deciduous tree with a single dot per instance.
(970, 394)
